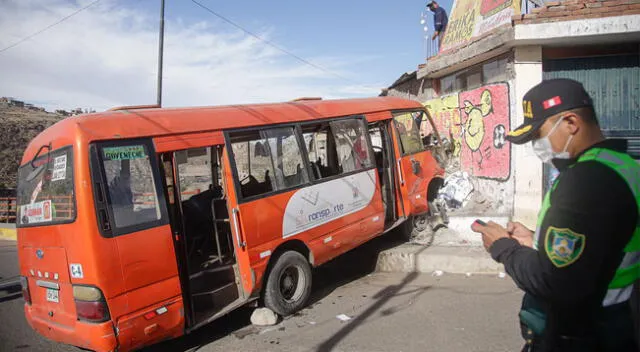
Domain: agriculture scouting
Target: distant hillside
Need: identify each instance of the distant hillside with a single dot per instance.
(17, 127)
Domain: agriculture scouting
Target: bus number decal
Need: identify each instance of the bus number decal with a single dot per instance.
(76, 271)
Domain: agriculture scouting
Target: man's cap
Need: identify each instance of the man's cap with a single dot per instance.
(548, 98)
(430, 4)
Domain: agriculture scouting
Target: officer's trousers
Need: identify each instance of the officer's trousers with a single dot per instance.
(614, 331)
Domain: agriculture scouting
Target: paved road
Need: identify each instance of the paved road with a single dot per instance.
(389, 312)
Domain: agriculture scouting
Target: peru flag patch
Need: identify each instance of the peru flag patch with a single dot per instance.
(552, 102)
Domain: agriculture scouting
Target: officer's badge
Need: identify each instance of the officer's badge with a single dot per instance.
(563, 246)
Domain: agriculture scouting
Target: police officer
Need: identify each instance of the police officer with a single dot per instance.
(579, 266)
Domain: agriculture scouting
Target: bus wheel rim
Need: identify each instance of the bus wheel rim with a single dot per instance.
(291, 284)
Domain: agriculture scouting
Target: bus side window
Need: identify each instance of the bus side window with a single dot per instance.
(354, 152)
(408, 132)
(321, 149)
(267, 160)
(337, 148)
(131, 185)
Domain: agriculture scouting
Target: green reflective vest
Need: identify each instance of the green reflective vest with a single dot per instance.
(621, 286)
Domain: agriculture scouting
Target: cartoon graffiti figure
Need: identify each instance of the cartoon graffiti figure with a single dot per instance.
(474, 128)
(474, 131)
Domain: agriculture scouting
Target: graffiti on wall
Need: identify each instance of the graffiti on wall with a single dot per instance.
(476, 121)
(472, 19)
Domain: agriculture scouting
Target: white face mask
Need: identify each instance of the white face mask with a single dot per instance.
(543, 149)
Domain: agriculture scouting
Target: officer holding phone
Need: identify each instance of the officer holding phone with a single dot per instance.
(578, 268)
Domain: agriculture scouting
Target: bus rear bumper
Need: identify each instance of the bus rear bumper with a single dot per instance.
(96, 337)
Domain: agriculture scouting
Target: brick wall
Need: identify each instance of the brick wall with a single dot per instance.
(579, 9)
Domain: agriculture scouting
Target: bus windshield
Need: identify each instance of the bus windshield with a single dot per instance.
(45, 190)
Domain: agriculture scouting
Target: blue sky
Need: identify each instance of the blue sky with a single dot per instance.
(387, 32)
(371, 43)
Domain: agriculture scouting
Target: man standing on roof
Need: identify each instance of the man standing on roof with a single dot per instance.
(440, 21)
(579, 267)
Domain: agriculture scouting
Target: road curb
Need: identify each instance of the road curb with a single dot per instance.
(457, 260)
(8, 234)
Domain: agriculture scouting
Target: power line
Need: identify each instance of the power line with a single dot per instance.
(48, 27)
(270, 43)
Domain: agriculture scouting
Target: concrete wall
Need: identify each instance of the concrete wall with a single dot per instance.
(528, 177)
(476, 120)
(414, 89)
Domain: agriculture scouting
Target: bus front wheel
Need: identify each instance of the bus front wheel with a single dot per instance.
(289, 284)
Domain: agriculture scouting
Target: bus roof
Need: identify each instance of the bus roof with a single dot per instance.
(151, 122)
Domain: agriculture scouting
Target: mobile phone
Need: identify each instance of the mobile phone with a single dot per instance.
(481, 222)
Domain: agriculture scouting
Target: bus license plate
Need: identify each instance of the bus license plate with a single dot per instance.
(52, 295)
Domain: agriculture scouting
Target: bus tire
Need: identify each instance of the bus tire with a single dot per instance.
(288, 285)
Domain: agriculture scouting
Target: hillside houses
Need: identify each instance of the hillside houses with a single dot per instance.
(9, 102)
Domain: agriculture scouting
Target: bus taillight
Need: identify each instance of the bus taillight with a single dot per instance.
(24, 284)
(90, 304)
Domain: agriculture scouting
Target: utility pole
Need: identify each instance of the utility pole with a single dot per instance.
(160, 54)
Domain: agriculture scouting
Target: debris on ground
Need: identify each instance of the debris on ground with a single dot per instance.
(264, 317)
(456, 190)
(343, 317)
(438, 273)
(502, 275)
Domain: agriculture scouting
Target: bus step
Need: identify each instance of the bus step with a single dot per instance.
(213, 291)
(209, 271)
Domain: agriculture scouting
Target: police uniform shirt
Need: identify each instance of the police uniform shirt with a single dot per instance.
(581, 242)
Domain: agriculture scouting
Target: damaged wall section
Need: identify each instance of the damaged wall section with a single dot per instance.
(476, 121)
(475, 115)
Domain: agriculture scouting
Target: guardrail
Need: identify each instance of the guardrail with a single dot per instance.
(64, 204)
(431, 47)
(8, 209)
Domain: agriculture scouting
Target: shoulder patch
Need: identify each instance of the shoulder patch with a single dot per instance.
(563, 246)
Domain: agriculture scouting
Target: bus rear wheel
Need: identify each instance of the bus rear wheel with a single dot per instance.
(288, 285)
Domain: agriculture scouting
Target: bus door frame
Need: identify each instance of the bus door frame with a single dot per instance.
(169, 146)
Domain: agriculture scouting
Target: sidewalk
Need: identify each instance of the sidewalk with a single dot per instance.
(7, 232)
(455, 249)
(421, 259)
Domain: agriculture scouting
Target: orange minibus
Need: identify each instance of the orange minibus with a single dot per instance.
(141, 224)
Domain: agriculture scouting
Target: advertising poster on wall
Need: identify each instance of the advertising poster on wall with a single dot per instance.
(471, 19)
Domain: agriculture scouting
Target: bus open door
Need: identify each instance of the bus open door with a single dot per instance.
(417, 170)
(210, 259)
